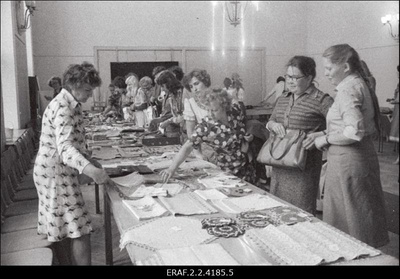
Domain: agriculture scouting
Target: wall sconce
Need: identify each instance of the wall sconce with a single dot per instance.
(23, 18)
(387, 20)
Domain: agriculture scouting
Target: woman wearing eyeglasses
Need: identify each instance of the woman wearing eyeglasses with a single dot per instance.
(301, 107)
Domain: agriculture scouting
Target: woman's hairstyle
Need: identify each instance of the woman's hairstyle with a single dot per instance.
(201, 75)
(227, 82)
(177, 71)
(158, 69)
(77, 74)
(365, 68)
(111, 85)
(52, 79)
(305, 64)
(237, 81)
(119, 82)
(218, 95)
(343, 53)
(146, 82)
(170, 81)
(279, 79)
(186, 82)
(132, 79)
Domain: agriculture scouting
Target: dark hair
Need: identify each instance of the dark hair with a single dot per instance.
(227, 82)
(170, 81)
(279, 79)
(177, 71)
(186, 82)
(344, 53)
(119, 82)
(58, 79)
(305, 64)
(77, 74)
(201, 75)
(158, 69)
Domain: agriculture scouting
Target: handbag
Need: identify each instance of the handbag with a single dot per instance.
(286, 152)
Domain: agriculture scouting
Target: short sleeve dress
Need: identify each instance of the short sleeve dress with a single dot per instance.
(226, 141)
(61, 157)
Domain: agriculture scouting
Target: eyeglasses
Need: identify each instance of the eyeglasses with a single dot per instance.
(287, 77)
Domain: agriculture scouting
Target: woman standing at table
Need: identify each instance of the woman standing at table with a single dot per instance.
(353, 198)
(224, 131)
(55, 83)
(194, 109)
(302, 107)
(63, 164)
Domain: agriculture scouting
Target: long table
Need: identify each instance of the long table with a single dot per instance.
(125, 220)
(114, 208)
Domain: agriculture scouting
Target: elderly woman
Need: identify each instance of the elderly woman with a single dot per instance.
(55, 83)
(302, 107)
(224, 131)
(353, 197)
(63, 164)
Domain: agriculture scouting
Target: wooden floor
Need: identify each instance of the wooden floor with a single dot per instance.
(389, 178)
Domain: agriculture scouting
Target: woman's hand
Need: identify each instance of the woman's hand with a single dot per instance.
(278, 129)
(309, 141)
(100, 176)
(321, 143)
(166, 174)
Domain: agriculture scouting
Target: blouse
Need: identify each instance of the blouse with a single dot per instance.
(352, 113)
(193, 109)
(226, 140)
(306, 113)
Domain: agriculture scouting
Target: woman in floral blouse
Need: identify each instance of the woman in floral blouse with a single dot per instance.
(63, 164)
(224, 131)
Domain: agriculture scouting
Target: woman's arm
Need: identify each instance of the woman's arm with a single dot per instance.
(183, 153)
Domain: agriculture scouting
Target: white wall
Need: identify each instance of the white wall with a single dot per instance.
(358, 24)
(81, 26)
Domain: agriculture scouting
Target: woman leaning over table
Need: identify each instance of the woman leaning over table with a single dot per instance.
(302, 107)
(63, 164)
(353, 198)
(224, 130)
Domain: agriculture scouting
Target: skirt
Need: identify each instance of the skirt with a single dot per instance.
(300, 188)
(353, 197)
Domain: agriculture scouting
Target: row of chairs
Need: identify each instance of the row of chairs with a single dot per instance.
(20, 243)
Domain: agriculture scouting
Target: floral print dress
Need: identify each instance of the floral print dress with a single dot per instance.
(226, 141)
(61, 157)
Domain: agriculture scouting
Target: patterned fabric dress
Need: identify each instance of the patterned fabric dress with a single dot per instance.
(61, 157)
(226, 141)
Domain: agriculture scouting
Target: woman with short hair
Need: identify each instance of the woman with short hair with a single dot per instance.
(224, 131)
(62, 164)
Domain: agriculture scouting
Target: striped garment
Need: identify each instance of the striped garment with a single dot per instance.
(306, 113)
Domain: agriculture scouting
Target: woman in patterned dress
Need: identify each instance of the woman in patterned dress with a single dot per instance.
(63, 164)
(224, 131)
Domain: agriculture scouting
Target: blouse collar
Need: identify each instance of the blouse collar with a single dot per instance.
(345, 81)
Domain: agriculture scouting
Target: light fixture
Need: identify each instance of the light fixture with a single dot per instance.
(235, 11)
(23, 20)
(386, 20)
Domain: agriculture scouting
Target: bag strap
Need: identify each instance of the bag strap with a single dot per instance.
(287, 147)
